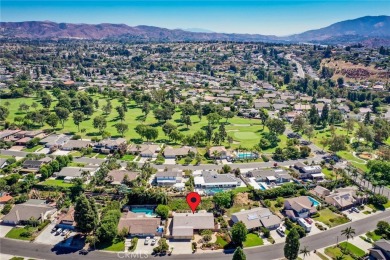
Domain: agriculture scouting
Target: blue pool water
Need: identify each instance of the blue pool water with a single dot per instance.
(242, 155)
(261, 187)
(315, 202)
(146, 211)
(213, 191)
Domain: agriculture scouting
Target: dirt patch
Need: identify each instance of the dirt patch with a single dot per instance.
(242, 199)
(365, 156)
(353, 71)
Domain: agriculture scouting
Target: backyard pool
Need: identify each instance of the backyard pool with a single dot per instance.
(246, 155)
(212, 191)
(315, 202)
(146, 211)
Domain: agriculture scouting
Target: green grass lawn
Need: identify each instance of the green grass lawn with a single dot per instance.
(326, 215)
(101, 156)
(115, 246)
(16, 232)
(329, 174)
(253, 240)
(5, 156)
(352, 248)
(380, 207)
(245, 135)
(56, 182)
(128, 157)
(235, 208)
(333, 252)
(33, 149)
(75, 154)
(76, 164)
(373, 236)
(221, 242)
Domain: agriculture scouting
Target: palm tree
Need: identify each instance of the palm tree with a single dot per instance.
(349, 232)
(304, 251)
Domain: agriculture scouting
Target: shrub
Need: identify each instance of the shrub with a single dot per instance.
(26, 233)
(265, 158)
(133, 245)
(7, 208)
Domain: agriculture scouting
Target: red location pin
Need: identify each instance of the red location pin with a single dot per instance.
(193, 200)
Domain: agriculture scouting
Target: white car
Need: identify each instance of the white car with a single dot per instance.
(147, 241)
(64, 232)
(154, 240)
(58, 231)
(280, 231)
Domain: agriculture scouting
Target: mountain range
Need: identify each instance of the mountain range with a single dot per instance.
(368, 29)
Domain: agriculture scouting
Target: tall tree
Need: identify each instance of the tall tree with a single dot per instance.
(52, 120)
(239, 254)
(100, 123)
(121, 128)
(349, 233)
(121, 112)
(86, 215)
(4, 112)
(291, 247)
(305, 251)
(63, 114)
(276, 126)
(239, 232)
(263, 114)
(78, 117)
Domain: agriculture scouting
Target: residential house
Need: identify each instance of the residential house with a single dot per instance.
(34, 165)
(70, 173)
(65, 220)
(5, 197)
(55, 140)
(116, 177)
(309, 172)
(21, 213)
(299, 207)
(145, 150)
(269, 176)
(139, 225)
(211, 179)
(320, 191)
(218, 152)
(76, 145)
(169, 178)
(254, 218)
(184, 225)
(170, 152)
(343, 198)
(380, 250)
(109, 145)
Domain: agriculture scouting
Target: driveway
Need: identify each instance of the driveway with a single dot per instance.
(144, 249)
(60, 152)
(4, 230)
(278, 238)
(180, 246)
(48, 238)
(170, 161)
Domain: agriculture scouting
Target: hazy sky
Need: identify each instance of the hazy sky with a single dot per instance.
(278, 17)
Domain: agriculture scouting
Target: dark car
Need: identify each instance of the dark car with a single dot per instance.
(304, 142)
(294, 135)
(83, 252)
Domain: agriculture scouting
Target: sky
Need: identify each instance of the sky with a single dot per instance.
(272, 17)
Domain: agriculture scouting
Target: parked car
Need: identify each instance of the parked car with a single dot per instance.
(54, 230)
(280, 231)
(304, 142)
(147, 241)
(294, 135)
(356, 210)
(83, 252)
(64, 232)
(58, 231)
(309, 220)
(154, 240)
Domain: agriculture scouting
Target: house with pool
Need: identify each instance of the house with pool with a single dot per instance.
(140, 225)
(300, 207)
(267, 178)
(212, 182)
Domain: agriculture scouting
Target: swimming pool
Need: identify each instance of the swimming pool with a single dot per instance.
(246, 155)
(212, 191)
(262, 187)
(146, 211)
(315, 202)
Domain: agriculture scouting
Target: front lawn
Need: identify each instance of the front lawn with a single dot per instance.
(335, 251)
(57, 182)
(16, 233)
(330, 219)
(126, 157)
(33, 149)
(221, 242)
(253, 240)
(101, 156)
(373, 236)
(352, 249)
(115, 246)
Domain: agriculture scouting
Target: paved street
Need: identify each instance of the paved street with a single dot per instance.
(323, 239)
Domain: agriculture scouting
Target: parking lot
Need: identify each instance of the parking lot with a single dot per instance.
(46, 237)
